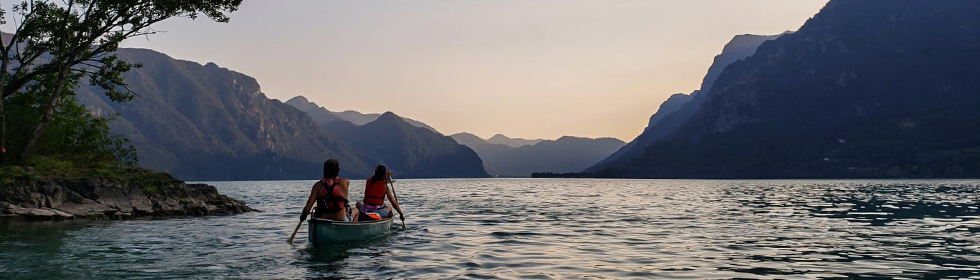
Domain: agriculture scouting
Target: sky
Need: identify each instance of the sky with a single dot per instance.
(523, 68)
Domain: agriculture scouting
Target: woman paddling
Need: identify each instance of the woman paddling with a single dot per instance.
(330, 196)
(374, 196)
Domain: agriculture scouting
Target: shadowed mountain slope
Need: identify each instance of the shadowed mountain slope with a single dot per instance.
(408, 150)
(204, 122)
(866, 88)
(680, 107)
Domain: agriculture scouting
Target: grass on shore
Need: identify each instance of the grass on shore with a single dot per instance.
(54, 170)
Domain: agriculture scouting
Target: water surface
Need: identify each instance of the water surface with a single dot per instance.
(544, 229)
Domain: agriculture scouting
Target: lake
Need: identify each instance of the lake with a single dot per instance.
(543, 229)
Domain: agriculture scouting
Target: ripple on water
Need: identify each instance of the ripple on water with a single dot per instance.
(545, 229)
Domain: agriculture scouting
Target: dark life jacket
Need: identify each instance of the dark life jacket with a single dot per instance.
(329, 200)
(374, 193)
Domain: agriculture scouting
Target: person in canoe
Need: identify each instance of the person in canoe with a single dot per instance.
(330, 195)
(373, 206)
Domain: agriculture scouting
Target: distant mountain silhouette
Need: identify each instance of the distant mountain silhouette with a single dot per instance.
(866, 88)
(512, 142)
(204, 122)
(409, 151)
(323, 116)
(677, 109)
(567, 154)
(319, 114)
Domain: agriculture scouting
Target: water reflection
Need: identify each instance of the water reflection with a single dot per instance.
(926, 229)
(547, 229)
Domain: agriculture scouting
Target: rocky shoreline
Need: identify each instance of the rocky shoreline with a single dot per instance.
(96, 199)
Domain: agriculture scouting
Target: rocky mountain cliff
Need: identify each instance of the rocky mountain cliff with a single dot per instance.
(680, 107)
(866, 88)
(204, 122)
(567, 154)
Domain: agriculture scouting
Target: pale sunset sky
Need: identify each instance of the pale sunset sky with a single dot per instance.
(523, 68)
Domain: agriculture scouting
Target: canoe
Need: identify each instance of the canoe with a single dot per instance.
(328, 232)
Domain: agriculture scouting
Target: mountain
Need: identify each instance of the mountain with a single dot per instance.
(410, 151)
(204, 122)
(865, 89)
(319, 114)
(567, 154)
(512, 142)
(323, 116)
(488, 152)
(678, 108)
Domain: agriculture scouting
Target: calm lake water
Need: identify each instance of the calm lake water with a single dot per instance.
(544, 229)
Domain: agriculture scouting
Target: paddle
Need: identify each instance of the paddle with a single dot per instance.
(392, 182)
(290, 241)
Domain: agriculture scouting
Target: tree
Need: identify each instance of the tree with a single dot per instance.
(60, 41)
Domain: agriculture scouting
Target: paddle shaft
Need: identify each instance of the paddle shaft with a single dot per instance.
(290, 241)
(395, 194)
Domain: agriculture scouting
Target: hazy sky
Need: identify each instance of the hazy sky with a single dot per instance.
(524, 68)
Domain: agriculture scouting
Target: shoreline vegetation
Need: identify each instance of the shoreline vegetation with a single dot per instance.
(58, 158)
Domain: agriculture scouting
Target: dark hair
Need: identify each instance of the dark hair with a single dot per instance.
(379, 173)
(331, 169)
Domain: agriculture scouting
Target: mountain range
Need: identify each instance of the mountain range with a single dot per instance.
(204, 122)
(512, 142)
(323, 116)
(563, 155)
(865, 89)
(411, 150)
(678, 108)
(500, 155)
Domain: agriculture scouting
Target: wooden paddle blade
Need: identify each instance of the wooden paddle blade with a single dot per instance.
(292, 236)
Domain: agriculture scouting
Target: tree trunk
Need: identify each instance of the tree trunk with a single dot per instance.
(3, 131)
(45, 120)
(3, 115)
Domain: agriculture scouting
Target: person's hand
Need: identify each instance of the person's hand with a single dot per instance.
(302, 217)
(401, 216)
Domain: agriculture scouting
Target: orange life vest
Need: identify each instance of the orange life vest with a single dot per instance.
(329, 199)
(374, 193)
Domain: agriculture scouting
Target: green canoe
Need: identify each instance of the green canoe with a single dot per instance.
(327, 232)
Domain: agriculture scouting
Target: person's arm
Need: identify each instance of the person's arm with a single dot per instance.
(345, 186)
(309, 203)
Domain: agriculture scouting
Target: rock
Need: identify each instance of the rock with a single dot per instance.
(74, 197)
(54, 195)
(61, 214)
(140, 203)
(20, 210)
(113, 198)
(96, 198)
(86, 208)
(167, 206)
(47, 214)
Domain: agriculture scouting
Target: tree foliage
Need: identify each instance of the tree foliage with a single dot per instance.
(57, 44)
